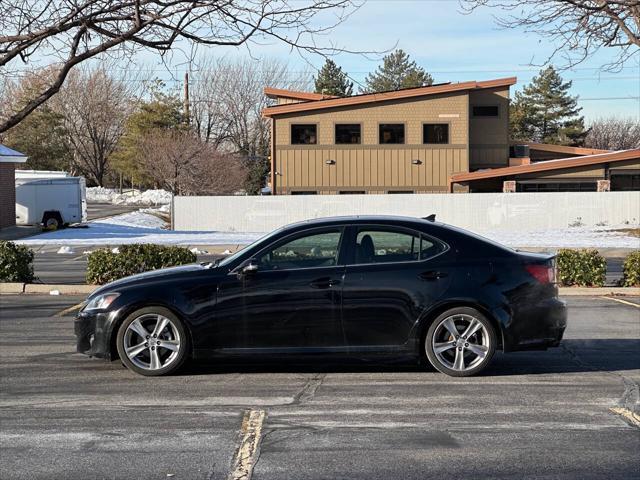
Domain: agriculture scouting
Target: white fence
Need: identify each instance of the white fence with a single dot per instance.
(475, 211)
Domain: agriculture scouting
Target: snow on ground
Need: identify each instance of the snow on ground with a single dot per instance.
(132, 197)
(144, 227)
(135, 227)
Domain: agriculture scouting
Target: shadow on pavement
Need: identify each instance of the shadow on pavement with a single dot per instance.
(573, 356)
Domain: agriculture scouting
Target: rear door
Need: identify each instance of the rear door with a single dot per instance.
(392, 275)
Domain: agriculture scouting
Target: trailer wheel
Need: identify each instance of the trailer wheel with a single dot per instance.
(52, 220)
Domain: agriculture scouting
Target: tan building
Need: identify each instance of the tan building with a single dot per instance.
(437, 139)
(410, 140)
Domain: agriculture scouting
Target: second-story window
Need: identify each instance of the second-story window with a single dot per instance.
(305, 134)
(485, 111)
(391, 133)
(435, 133)
(347, 133)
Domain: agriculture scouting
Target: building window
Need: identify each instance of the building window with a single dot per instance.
(556, 187)
(304, 134)
(391, 192)
(435, 133)
(352, 192)
(485, 111)
(348, 133)
(304, 192)
(391, 133)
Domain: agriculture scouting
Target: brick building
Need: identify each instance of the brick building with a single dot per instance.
(8, 160)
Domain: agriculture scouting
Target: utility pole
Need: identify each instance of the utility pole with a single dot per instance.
(187, 118)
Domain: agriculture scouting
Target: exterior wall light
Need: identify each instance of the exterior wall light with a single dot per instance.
(416, 162)
(330, 162)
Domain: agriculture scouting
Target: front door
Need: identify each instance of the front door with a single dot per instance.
(291, 302)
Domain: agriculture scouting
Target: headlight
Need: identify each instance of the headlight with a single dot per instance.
(101, 302)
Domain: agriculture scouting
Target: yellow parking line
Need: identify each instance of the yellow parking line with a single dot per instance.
(246, 454)
(619, 300)
(632, 417)
(66, 311)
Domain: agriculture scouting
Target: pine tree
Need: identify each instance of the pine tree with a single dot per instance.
(396, 72)
(546, 112)
(332, 80)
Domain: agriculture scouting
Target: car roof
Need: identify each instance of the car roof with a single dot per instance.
(354, 219)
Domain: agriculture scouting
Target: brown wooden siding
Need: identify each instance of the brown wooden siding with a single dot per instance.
(368, 168)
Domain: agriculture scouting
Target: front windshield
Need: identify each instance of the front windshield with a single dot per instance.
(228, 260)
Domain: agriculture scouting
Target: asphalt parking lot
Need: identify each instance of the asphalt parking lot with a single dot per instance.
(532, 415)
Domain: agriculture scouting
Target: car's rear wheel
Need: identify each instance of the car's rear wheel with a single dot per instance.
(460, 342)
(152, 341)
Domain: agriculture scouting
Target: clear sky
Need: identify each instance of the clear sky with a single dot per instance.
(453, 46)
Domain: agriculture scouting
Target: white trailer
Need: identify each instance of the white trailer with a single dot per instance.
(52, 199)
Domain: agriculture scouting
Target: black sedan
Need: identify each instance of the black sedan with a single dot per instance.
(351, 285)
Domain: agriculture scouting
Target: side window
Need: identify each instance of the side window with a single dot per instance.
(315, 250)
(388, 245)
(381, 246)
(430, 248)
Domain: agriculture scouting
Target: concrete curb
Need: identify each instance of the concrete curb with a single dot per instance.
(599, 291)
(45, 289)
(41, 288)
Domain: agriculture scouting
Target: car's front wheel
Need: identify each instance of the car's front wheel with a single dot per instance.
(460, 342)
(152, 341)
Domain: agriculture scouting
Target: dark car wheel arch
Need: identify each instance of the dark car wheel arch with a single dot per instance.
(431, 315)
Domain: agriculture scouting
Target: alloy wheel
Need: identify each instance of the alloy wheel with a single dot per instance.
(461, 342)
(152, 342)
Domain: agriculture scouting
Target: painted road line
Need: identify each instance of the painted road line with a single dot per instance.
(619, 300)
(627, 414)
(72, 309)
(246, 453)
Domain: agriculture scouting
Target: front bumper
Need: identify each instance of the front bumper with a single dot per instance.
(536, 326)
(93, 334)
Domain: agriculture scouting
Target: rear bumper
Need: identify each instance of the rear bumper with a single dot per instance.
(93, 333)
(537, 326)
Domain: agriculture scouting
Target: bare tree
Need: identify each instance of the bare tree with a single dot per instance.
(577, 28)
(614, 133)
(94, 106)
(74, 31)
(182, 163)
(227, 99)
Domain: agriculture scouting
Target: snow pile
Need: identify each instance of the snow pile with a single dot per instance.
(197, 251)
(131, 197)
(65, 250)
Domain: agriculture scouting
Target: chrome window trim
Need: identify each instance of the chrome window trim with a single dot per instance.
(420, 234)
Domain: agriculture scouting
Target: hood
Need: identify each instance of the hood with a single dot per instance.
(150, 276)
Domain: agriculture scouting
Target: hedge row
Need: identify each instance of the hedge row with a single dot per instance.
(631, 270)
(16, 263)
(104, 266)
(585, 268)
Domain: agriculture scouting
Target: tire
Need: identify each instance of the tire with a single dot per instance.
(52, 220)
(455, 354)
(152, 341)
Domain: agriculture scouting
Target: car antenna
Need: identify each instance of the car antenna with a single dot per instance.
(430, 218)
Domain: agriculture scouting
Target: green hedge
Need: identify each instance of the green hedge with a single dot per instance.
(584, 268)
(104, 266)
(15, 263)
(631, 270)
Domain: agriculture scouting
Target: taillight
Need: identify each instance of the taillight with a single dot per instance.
(542, 273)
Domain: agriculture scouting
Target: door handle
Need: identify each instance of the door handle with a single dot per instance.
(432, 275)
(324, 283)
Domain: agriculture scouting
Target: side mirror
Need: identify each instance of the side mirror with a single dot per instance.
(251, 267)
